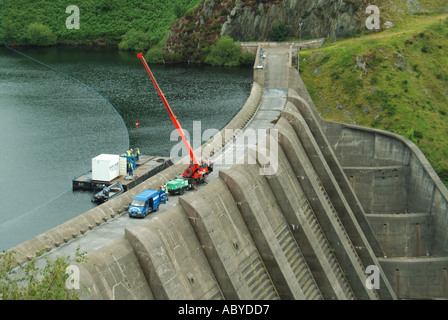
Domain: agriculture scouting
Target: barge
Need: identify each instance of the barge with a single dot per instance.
(145, 168)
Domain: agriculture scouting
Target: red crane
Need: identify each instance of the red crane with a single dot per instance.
(198, 170)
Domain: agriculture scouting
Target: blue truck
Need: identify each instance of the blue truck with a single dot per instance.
(144, 203)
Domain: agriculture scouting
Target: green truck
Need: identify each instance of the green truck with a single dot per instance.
(177, 186)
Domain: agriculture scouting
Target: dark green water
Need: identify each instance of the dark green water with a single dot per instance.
(54, 121)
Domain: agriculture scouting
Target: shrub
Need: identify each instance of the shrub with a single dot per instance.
(155, 55)
(425, 49)
(414, 135)
(224, 53)
(410, 134)
(9, 32)
(391, 109)
(247, 58)
(40, 35)
(135, 40)
(179, 11)
(35, 283)
(418, 134)
(105, 5)
(443, 174)
(173, 57)
(335, 75)
(280, 31)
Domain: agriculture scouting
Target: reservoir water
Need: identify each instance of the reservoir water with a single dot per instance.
(77, 103)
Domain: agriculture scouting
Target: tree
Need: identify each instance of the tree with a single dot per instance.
(179, 10)
(280, 31)
(40, 35)
(155, 55)
(247, 58)
(9, 31)
(225, 53)
(135, 40)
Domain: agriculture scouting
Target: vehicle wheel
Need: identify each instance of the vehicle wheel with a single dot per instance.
(188, 172)
(182, 191)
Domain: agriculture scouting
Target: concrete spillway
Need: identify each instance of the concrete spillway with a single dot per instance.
(341, 199)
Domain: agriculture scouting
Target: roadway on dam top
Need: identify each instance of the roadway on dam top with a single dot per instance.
(273, 100)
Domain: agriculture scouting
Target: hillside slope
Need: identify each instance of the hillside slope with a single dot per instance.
(101, 21)
(396, 80)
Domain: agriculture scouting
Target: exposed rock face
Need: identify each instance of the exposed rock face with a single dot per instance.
(414, 6)
(198, 29)
(254, 20)
(320, 18)
(247, 20)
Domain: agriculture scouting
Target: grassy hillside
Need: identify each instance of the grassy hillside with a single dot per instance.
(101, 21)
(396, 80)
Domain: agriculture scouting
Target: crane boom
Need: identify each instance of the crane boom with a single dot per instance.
(170, 112)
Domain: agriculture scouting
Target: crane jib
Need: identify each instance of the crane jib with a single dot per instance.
(170, 111)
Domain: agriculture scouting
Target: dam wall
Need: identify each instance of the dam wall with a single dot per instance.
(406, 205)
(399, 178)
(397, 190)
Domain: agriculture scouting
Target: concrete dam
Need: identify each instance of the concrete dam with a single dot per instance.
(342, 200)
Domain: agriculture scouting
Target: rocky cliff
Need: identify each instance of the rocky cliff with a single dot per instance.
(321, 18)
(333, 19)
(246, 20)
(255, 20)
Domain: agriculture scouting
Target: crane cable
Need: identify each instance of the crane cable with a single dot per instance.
(67, 76)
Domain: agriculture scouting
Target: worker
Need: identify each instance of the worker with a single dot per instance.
(165, 189)
(137, 154)
(130, 168)
(162, 195)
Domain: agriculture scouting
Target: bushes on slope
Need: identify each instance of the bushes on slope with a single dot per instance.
(41, 35)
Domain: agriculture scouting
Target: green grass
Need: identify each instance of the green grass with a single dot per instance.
(101, 21)
(410, 98)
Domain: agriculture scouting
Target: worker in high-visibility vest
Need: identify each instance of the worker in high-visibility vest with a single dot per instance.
(129, 154)
(165, 189)
(137, 154)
